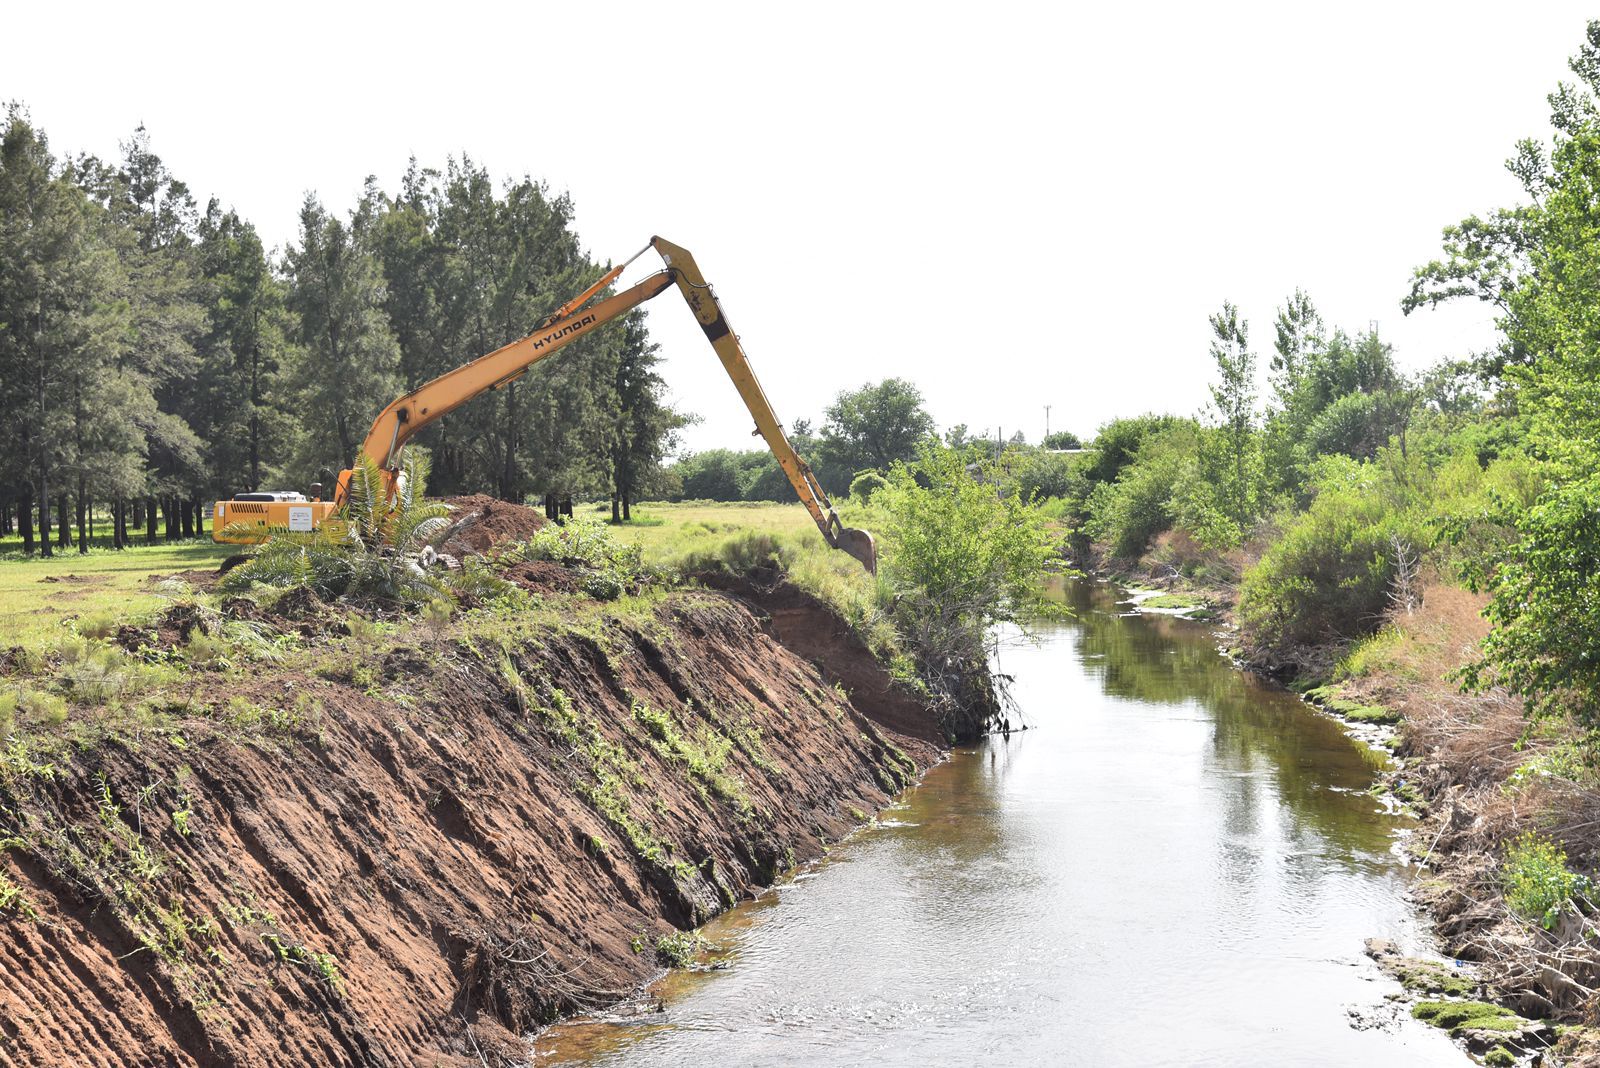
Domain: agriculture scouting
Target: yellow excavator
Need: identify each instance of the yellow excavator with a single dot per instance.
(247, 518)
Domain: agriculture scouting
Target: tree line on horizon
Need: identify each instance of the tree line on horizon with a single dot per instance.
(155, 355)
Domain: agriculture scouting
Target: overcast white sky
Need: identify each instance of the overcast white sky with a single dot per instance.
(1012, 205)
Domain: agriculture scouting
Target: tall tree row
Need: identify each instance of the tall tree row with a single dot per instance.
(154, 355)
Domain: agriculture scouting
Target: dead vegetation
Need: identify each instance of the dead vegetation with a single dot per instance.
(1489, 777)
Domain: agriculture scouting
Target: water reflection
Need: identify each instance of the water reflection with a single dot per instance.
(1177, 865)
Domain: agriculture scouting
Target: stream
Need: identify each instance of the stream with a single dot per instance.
(1176, 864)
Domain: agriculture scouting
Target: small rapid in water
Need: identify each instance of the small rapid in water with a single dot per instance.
(1176, 865)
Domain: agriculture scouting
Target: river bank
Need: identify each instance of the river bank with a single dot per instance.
(1177, 864)
(1471, 768)
(288, 833)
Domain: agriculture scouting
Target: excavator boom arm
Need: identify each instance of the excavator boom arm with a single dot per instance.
(708, 313)
(410, 413)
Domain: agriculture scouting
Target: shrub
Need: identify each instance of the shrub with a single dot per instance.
(1545, 646)
(865, 485)
(1140, 504)
(1047, 475)
(368, 550)
(98, 675)
(1538, 884)
(100, 625)
(37, 705)
(1119, 442)
(1327, 579)
(959, 558)
(614, 566)
(679, 949)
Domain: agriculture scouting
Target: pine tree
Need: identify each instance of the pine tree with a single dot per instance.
(345, 369)
(645, 425)
(61, 321)
(244, 418)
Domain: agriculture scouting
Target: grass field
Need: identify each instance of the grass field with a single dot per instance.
(665, 531)
(37, 596)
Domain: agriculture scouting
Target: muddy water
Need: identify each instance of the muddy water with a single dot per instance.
(1176, 865)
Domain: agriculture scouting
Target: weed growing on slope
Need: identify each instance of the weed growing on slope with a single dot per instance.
(1538, 884)
(705, 756)
(679, 949)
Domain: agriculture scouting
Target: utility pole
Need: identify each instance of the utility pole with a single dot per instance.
(1046, 420)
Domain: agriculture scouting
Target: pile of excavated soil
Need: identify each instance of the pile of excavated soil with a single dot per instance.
(542, 576)
(480, 523)
(419, 855)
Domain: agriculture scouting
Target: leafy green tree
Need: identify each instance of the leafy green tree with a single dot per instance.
(1061, 439)
(1299, 340)
(1144, 499)
(1539, 265)
(1233, 400)
(1118, 443)
(1546, 586)
(873, 427)
(165, 294)
(712, 475)
(1046, 475)
(959, 558)
(470, 268)
(763, 479)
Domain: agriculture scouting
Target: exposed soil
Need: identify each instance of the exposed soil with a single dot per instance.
(802, 623)
(482, 522)
(480, 836)
(541, 576)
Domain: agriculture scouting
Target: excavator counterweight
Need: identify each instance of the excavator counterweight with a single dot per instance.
(577, 317)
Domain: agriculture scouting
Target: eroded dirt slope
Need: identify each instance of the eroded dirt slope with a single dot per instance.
(414, 861)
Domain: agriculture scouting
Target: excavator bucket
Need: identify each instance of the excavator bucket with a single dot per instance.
(858, 543)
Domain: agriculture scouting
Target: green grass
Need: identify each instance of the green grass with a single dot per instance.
(705, 535)
(1176, 601)
(666, 532)
(37, 595)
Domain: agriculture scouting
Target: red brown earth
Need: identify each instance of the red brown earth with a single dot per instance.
(459, 824)
(482, 522)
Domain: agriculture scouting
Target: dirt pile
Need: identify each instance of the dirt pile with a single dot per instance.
(415, 858)
(480, 522)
